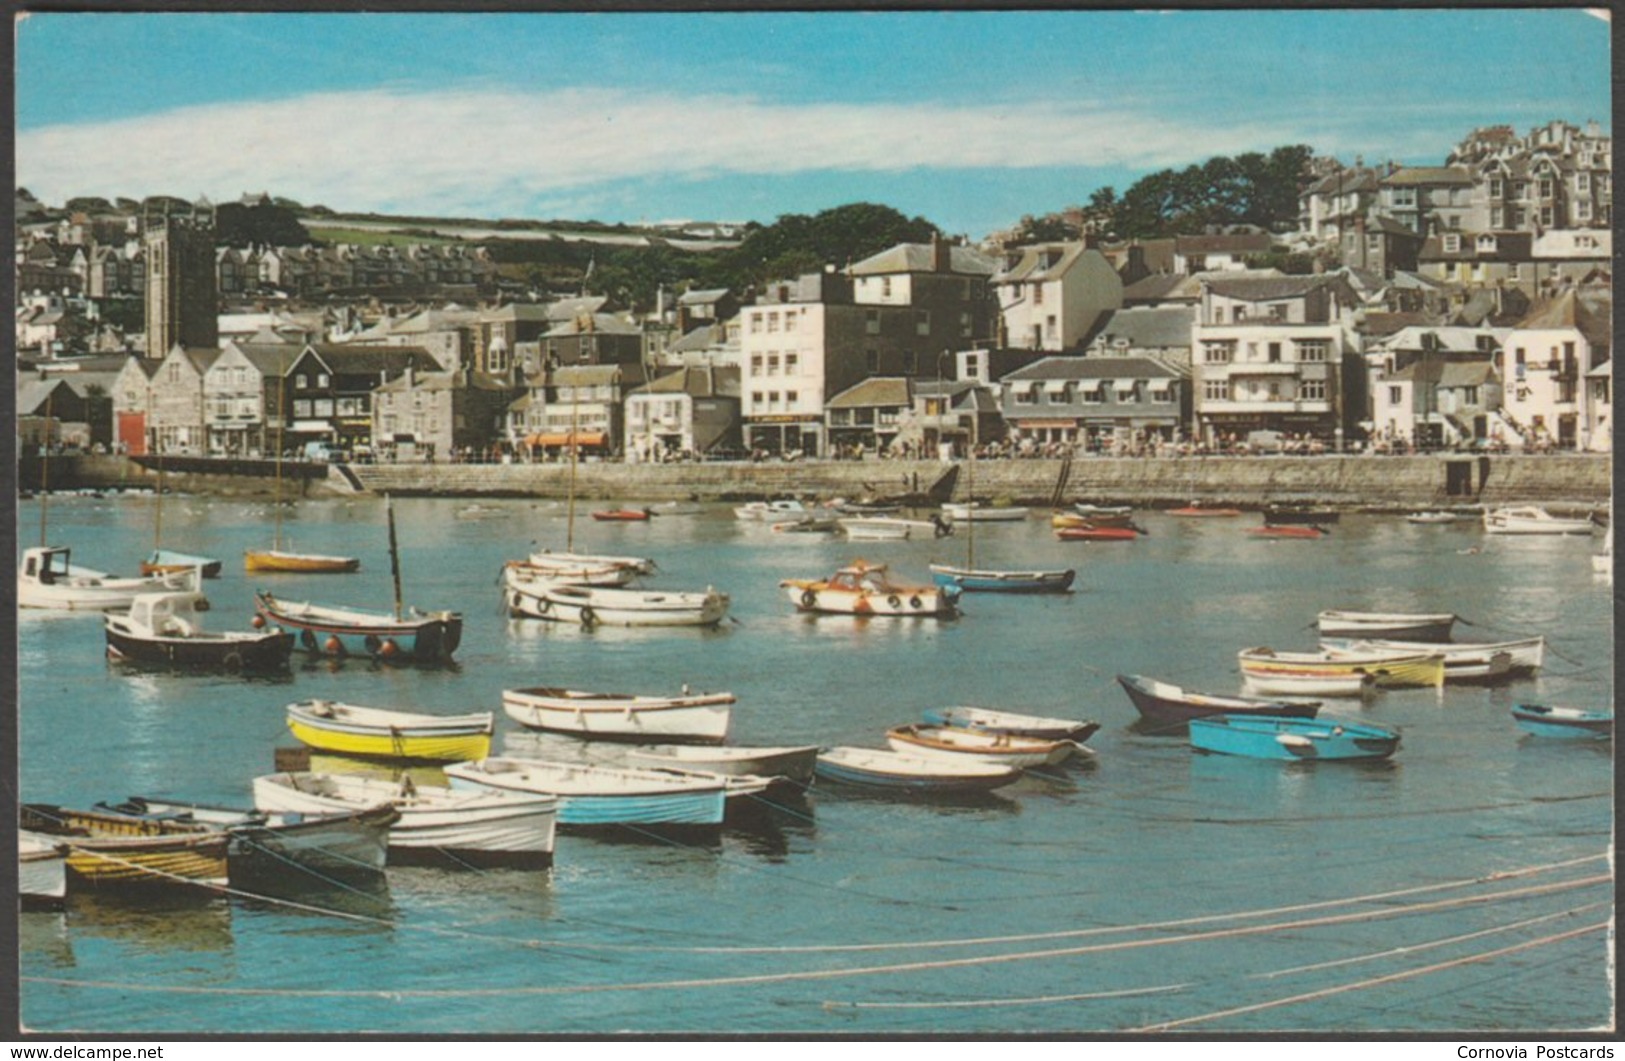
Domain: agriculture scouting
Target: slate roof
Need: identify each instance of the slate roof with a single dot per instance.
(1239, 243)
(1041, 261)
(445, 381)
(921, 258)
(718, 382)
(357, 358)
(1149, 326)
(1415, 175)
(1169, 287)
(1094, 367)
(602, 324)
(1590, 316)
(1261, 289)
(702, 298)
(874, 391)
(594, 375)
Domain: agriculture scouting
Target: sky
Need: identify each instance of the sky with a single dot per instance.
(968, 119)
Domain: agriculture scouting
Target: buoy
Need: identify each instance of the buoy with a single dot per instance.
(334, 646)
(388, 648)
(258, 622)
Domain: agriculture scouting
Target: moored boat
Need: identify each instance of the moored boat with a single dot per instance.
(526, 574)
(1005, 749)
(42, 873)
(48, 578)
(602, 795)
(108, 850)
(170, 562)
(990, 720)
(1288, 515)
(1196, 511)
(413, 636)
(436, 824)
(792, 762)
(1463, 660)
(1292, 739)
(972, 580)
(1268, 671)
(878, 768)
(1431, 518)
(1102, 513)
(602, 605)
(1397, 626)
(866, 589)
(166, 629)
(1531, 519)
(891, 528)
(780, 510)
(1166, 704)
(1543, 720)
(1096, 534)
(564, 564)
(975, 511)
(376, 733)
(623, 515)
(700, 718)
(268, 845)
(1287, 530)
(275, 561)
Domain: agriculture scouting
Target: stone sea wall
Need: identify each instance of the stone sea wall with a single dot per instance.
(1557, 480)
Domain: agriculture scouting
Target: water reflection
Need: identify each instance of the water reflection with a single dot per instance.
(192, 920)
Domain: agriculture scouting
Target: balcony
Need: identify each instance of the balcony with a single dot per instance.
(1208, 406)
(1240, 369)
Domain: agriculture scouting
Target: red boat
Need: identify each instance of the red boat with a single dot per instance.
(1097, 534)
(1270, 530)
(623, 515)
(1197, 511)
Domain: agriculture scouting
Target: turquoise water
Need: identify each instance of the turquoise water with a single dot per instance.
(1152, 886)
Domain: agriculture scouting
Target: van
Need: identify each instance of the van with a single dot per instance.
(322, 451)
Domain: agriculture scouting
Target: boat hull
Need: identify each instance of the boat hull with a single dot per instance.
(1482, 661)
(1096, 534)
(591, 796)
(702, 720)
(436, 825)
(1292, 740)
(323, 631)
(1017, 725)
(997, 749)
(1171, 705)
(130, 853)
(909, 773)
(599, 606)
(1564, 723)
(961, 513)
(168, 562)
(42, 872)
(433, 748)
(911, 603)
(1392, 626)
(1534, 521)
(973, 581)
(795, 764)
(258, 653)
(272, 561)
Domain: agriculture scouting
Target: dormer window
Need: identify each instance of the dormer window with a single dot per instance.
(1486, 244)
(1452, 243)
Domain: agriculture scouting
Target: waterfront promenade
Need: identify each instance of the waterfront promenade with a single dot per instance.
(1577, 480)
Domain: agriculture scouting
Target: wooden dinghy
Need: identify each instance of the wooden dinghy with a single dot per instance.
(376, 733)
(1396, 626)
(1292, 739)
(1464, 661)
(109, 850)
(278, 561)
(878, 768)
(1000, 748)
(989, 720)
(1167, 704)
(413, 636)
(794, 763)
(698, 718)
(974, 580)
(602, 795)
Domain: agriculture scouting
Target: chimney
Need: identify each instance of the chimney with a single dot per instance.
(941, 254)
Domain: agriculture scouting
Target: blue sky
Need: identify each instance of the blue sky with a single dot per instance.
(970, 119)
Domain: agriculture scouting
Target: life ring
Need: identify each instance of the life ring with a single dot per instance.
(588, 616)
(808, 598)
(233, 662)
(307, 638)
(915, 602)
(894, 601)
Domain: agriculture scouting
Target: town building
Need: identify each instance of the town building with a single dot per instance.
(182, 300)
(692, 410)
(439, 416)
(1051, 295)
(1097, 401)
(1547, 363)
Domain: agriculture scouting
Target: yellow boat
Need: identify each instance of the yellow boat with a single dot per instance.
(109, 849)
(300, 563)
(1389, 670)
(374, 733)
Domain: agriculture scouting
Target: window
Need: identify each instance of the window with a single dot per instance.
(1313, 349)
(1396, 395)
(322, 379)
(1038, 294)
(1275, 353)
(1544, 188)
(1312, 390)
(791, 398)
(756, 364)
(790, 364)
(772, 399)
(871, 321)
(1219, 353)
(1405, 197)
(300, 382)
(1218, 314)
(755, 323)
(772, 322)
(973, 366)
(1582, 183)
(1373, 244)
(1486, 244)
(1469, 396)
(1216, 390)
(301, 408)
(1546, 215)
(1025, 394)
(966, 327)
(922, 322)
(1582, 210)
(790, 322)
(756, 399)
(1520, 189)
(1049, 326)
(1162, 397)
(1497, 187)
(1091, 393)
(1497, 217)
(772, 364)
(885, 287)
(1239, 314)
(911, 362)
(871, 361)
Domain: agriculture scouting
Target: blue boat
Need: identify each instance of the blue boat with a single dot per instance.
(982, 581)
(602, 795)
(1573, 723)
(1292, 739)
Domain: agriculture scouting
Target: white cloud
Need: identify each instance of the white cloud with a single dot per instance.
(488, 151)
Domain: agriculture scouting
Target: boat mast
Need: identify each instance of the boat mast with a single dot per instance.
(394, 554)
(158, 511)
(281, 389)
(575, 445)
(970, 491)
(45, 470)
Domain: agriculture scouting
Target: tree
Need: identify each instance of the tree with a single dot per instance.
(1049, 229)
(1250, 188)
(261, 225)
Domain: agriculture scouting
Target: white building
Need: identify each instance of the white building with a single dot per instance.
(1051, 295)
(1547, 364)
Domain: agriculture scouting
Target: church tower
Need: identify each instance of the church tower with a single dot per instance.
(182, 301)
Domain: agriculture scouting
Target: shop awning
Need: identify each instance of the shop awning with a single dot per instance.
(565, 438)
(311, 427)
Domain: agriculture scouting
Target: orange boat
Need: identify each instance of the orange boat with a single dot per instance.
(1198, 511)
(623, 515)
(1097, 534)
(1270, 530)
(301, 563)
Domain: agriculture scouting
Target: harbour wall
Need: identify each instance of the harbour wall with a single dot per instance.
(1557, 480)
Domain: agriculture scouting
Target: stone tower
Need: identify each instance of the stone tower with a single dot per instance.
(182, 301)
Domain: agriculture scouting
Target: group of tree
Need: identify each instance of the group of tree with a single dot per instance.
(1249, 189)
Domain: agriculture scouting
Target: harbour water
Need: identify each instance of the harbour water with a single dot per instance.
(1151, 888)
